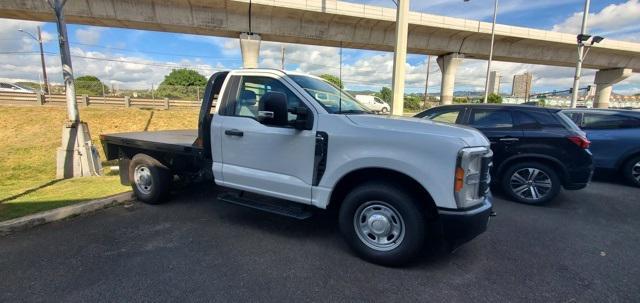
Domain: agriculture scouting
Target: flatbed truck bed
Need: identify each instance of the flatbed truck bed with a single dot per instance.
(170, 141)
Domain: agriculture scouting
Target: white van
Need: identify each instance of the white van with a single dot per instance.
(374, 103)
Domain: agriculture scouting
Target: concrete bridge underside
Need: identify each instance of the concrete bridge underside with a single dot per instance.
(335, 23)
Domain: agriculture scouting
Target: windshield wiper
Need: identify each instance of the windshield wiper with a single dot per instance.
(353, 111)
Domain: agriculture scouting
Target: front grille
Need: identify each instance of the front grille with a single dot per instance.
(485, 174)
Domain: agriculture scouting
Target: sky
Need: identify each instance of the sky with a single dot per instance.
(139, 59)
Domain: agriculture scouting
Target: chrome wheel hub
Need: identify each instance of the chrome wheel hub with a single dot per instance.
(635, 171)
(530, 183)
(142, 178)
(379, 225)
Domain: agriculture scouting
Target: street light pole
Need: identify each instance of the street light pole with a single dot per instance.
(576, 79)
(65, 57)
(77, 156)
(426, 82)
(44, 68)
(493, 35)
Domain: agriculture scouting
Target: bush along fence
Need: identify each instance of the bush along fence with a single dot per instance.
(126, 101)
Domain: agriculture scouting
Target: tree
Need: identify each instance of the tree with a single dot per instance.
(182, 83)
(333, 79)
(91, 86)
(494, 98)
(460, 99)
(413, 103)
(542, 102)
(385, 94)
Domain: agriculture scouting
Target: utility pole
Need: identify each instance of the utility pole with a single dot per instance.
(77, 156)
(38, 38)
(44, 67)
(282, 58)
(426, 82)
(400, 57)
(493, 36)
(576, 79)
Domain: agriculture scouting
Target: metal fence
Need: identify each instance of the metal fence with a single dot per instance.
(124, 101)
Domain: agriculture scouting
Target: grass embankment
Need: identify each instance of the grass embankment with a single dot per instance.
(30, 137)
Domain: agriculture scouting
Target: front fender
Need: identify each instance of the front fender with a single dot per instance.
(436, 182)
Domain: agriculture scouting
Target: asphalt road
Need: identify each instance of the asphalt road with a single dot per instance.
(585, 247)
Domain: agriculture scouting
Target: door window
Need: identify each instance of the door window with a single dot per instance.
(607, 121)
(491, 118)
(252, 88)
(446, 115)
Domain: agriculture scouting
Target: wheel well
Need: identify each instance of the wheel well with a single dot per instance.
(553, 164)
(626, 159)
(347, 182)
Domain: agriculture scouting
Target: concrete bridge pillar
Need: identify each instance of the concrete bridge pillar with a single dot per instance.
(448, 65)
(605, 78)
(250, 47)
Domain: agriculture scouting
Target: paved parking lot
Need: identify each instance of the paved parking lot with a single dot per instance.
(585, 247)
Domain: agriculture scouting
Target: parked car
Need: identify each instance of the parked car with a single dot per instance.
(536, 150)
(287, 143)
(373, 103)
(615, 139)
(13, 88)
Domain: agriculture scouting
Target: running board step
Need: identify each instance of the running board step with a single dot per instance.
(274, 206)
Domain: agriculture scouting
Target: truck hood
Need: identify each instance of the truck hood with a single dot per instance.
(470, 136)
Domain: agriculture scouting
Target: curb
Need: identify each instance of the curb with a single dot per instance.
(62, 213)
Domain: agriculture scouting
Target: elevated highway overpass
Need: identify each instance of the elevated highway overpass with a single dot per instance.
(336, 23)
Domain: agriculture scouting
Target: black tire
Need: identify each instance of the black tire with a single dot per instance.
(153, 182)
(537, 186)
(631, 171)
(406, 212)
(384, 111)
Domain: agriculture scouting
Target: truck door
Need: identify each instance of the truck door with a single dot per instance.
(270, 160)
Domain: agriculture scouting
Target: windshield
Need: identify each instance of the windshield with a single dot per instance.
(330, 97)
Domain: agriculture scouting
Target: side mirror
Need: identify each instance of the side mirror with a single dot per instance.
(304, 118)
(272, 109)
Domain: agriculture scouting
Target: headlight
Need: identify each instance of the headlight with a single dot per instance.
(472, 176)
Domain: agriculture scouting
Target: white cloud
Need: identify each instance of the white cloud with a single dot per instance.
(89, 35)
(614, 19)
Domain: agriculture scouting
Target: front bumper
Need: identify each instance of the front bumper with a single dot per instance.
(461, 226)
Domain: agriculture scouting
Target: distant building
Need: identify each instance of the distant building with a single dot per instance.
(521, 85)
(494, 82)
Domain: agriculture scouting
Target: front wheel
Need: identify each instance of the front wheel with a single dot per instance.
(631, 171)
(383, 224)
(384, 111)
(149, 179)
(531, 183)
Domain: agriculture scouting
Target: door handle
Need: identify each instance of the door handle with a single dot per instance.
(234, 132)
(509, 139)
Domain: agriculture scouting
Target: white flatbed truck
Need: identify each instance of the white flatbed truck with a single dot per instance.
(299, 143)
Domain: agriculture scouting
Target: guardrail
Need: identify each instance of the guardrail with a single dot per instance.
(114, 101)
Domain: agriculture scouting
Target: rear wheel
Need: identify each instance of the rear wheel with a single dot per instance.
(631, 171)
(149, 179)
(383, 224)
(531, 183)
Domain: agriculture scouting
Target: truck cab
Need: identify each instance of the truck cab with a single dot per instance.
(292, 139)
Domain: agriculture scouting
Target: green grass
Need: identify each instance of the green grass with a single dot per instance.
(30, 136)
(62, 193)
